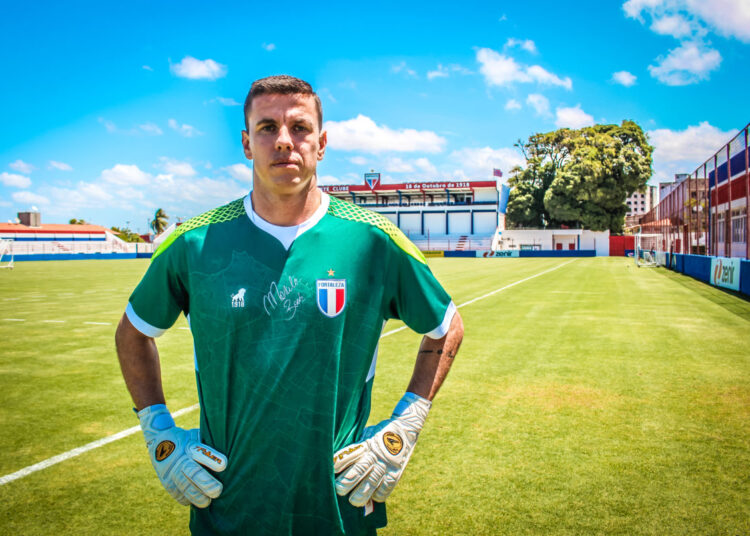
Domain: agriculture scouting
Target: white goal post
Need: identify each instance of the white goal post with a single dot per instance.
(6, 253)
(646, 250)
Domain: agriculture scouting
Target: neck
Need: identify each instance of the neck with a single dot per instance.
(286, 209)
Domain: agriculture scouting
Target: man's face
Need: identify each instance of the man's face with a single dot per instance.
(284, 141)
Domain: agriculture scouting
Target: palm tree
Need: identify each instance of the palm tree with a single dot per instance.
(159, 222)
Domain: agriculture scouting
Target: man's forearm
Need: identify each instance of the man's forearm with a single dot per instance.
(139, 362)
(435, 359)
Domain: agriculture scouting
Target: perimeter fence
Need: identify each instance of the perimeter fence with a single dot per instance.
(705, 212)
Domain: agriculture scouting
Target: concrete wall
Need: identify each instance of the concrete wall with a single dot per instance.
(547, 239)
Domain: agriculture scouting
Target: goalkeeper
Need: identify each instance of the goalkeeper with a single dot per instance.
(286, 292)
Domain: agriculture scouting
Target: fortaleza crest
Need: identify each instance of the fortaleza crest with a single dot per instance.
(331, 295)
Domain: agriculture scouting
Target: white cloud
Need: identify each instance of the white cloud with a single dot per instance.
(109, 125)
(268, 47)
(402, 67)
(540, 103)
(440, 72)
(228, 101)
(62, 166)
(675, 25)
(687, 64)
(501, 70)
(94, 192)
(196, 69)
(148, 68)
(16, 181)
(478, 163)
(694, 144)
(443, 71)
(363, 134)
(526, 44)
(125, 175)
(397, 165)
(21, 166)
(682, 151)
(240, 172)
(29, 198)
(730, 18)
(624, 78)
(184, 130)
(358, 160)
(512, 104)
(572, 117)
(175, 167)
(203, 190)
(151, 128)
(130, 193)
(424, 166)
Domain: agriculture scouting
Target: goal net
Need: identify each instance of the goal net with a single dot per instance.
(646, 254)
(6, 253)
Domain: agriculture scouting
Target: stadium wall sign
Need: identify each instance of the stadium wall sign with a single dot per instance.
(505, 253)
(433, 253)
(725, 272)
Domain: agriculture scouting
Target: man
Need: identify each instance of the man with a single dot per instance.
(286, 292)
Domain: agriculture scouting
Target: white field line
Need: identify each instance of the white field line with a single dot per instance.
(483, 296)
(80, 450)
(130, 431)
(99, 323)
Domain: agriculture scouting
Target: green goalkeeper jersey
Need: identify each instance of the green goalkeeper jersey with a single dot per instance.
(285, 324)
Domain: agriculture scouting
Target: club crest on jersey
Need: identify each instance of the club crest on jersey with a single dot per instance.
(331, 296)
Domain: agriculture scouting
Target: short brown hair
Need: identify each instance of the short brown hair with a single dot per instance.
(281, 84)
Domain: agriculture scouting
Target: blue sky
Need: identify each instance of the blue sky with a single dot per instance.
(111, 110)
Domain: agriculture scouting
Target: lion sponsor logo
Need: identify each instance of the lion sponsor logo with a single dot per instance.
(393, 442)
(163, 450)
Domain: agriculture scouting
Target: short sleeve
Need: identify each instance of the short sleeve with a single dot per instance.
(161, 296)
(414, 295)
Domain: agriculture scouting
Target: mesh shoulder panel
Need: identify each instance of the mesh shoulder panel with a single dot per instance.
(348, 211)
(225, 213)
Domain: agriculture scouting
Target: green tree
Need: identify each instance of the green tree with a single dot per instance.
(74, 221)
(159, 223)
(127, 235)
(580, 178)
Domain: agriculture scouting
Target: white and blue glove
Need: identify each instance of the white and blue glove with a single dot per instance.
(371, 468)
(174, 453)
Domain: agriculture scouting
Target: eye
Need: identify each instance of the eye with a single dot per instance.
(268, 128)
(300, 128)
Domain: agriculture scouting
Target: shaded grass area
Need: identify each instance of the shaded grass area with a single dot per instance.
(597, 398)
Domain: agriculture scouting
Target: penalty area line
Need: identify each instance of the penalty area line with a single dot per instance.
(130, 431)
(80, 450)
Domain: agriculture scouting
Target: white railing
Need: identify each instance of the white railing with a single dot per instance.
(53, 247)
(451, 243)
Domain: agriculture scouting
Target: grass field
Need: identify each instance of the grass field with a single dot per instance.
(595, 398)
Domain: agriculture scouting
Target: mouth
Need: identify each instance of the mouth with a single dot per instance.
(285, 164)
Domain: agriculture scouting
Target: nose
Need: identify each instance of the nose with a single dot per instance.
(284, 141)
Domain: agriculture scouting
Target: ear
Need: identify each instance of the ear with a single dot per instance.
(246, 145)
(322, 142)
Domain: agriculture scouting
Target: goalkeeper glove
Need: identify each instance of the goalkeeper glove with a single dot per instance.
(174, 453)
(371, 468)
